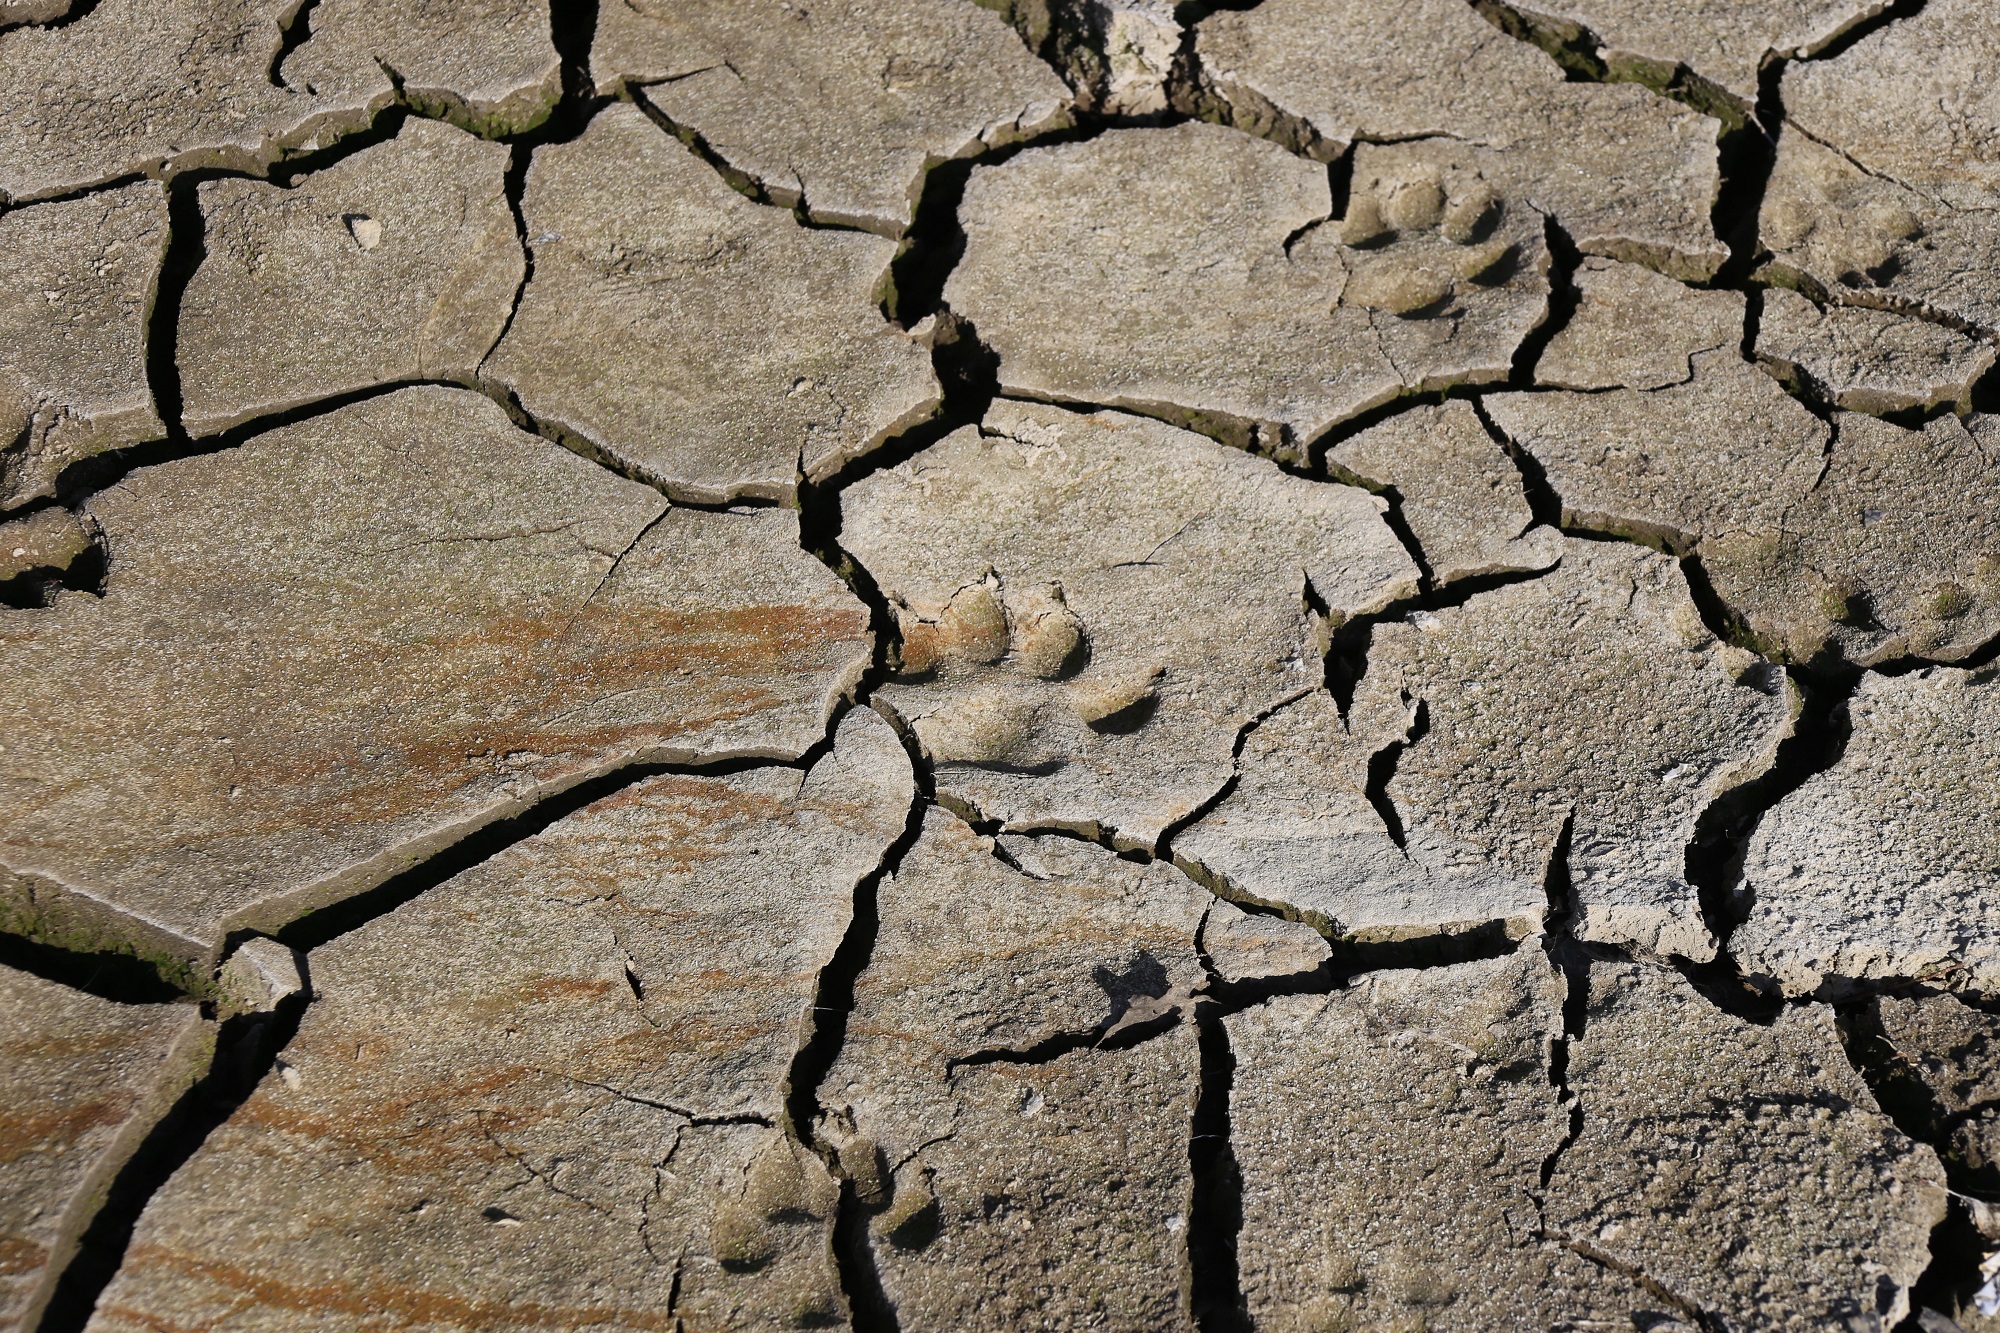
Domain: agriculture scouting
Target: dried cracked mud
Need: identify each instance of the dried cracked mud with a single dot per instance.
(1284, 666)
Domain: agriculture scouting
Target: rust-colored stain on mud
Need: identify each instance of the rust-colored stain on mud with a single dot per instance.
(56, 1130)
(393, 1304)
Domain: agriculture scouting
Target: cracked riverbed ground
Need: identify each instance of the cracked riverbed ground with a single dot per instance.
(1257, 666)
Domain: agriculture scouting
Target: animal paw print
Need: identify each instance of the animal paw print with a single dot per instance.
(1850, 227)
(1418, 231)
(1016, 677)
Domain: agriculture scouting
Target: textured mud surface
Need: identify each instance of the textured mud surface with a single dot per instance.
(1286, 666)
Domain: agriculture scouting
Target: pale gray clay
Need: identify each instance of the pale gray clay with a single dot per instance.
(83, 1080)
(1892, 554)
(1391, 1138)
(487, 65)
(1199, 275)
(568, 1117)
(1591, 706)
(1300, 833)
(1242, 946)
(398, 263)
(344, 645)
(1884, 866)
(1093, 607)
(1008, 1172)
(1624, 172)
(152, 87)
(76, 288)
(1635, 329)
(1725, 43)
(838, 108)
(1869, 360)
(1742, 1169)
(1888, 172)
(711, 345)
(1456, 491)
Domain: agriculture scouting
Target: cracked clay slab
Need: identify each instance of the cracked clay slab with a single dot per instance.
(1093, 607)
(1867, 541)
(1391, 1138)
(1726, 451)
(76, 288)
(161, 86)
(1868, 360)
(149, 86)
(545, 1093)
(1636, 329)
(1457, 491)
(329, 651)
(82, 1081)
(707, 343)
(1253, 946)
(1299, 833)
(1884, 866)
(1888, 172)
(1593, 697)
(489, 66)
(1726, 42)
(398, 263)
(1895, 553)
(1624, 172)
(1196, 274)
(841, 107)
(1012, 1170)
(1742, 1169)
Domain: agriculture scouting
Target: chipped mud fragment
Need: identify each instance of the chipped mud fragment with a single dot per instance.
(1093, 607)
(1888, 172)
(489, 66)
(32, 11)
(76, 288)
(1895, 553)
(260, 977)
(1953, 1049)
(398, 263)
(332, 650)
(1742, 1169)
(841, 108)
(1197, 275)
(1885, 865)
(1727, 451)
(575, 1126)
(1300, 833)
(1625, 173)
(1868, 360)
(1592, 697)
(1458, 492)
(45, 541)
(1634, 329)
(709, 344)
(1141, 41)
(82, 1082)
(1391, 1139)
(1244, 947)
(1010, 1174)
(149, 86)
(1724, 42)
